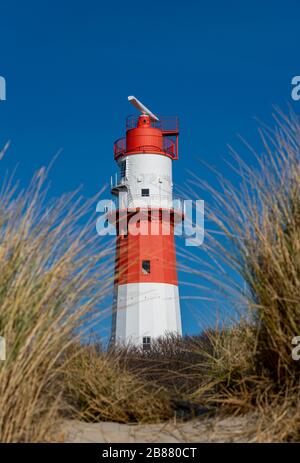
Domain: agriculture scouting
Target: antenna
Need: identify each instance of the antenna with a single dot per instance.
(135, 102)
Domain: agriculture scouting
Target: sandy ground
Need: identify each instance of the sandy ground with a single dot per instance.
(231, 429)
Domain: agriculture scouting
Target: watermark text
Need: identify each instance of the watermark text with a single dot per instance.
(2, 89)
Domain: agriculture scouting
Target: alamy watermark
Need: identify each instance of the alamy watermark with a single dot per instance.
(2, 89)
(152, 216)
(296, 88)
(2, 348)
(296, 349)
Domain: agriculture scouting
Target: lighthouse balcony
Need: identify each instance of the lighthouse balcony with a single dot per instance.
(169, 148)
(117, 184)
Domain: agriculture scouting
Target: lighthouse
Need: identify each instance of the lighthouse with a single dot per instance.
(146, 297)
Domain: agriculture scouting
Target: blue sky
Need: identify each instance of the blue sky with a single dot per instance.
(70, 65)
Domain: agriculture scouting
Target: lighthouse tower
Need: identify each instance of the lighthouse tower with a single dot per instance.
(146, 298)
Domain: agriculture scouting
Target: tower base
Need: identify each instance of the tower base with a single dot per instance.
(145, 310)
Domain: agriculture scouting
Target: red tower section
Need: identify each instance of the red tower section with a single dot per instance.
(146, 136)
(155, 241)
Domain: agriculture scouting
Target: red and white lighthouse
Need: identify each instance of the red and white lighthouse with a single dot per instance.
(146, 297)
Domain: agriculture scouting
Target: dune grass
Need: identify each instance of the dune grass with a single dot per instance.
(259, 218)
(101, 387)
(53, 276)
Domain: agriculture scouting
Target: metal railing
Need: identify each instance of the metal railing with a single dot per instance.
(169, 147)
(117, 181)
(119, 147)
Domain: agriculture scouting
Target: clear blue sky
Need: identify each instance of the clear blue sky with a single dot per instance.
(69, 66)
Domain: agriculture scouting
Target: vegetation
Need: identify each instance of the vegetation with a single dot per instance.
(252, 366)
(50, 281)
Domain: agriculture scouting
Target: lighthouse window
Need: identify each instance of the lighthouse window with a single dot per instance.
(145, 267)
(146, 343)
(145, 192)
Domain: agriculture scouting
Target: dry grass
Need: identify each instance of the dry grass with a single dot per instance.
(173, 362)
(128, 385)
(102, 388)
(252, 366)
(51, 269)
